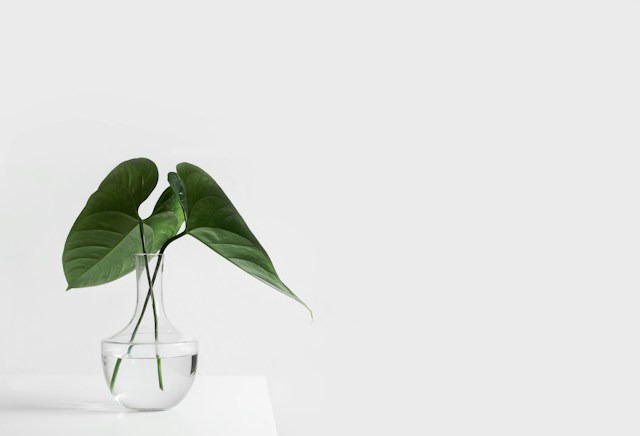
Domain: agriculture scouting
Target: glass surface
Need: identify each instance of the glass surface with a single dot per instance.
(149, 365)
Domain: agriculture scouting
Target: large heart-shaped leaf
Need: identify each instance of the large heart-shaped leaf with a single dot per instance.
(214, 221)
(102, 242)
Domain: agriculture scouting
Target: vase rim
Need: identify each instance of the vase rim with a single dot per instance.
(148, 254)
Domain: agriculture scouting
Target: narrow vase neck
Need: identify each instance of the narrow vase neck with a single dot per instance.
(150, 300)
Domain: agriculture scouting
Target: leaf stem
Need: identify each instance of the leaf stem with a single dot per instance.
(170, 240)
(151, 281)
(153, 303)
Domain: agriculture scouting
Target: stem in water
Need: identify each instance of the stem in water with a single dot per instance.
(151, 281)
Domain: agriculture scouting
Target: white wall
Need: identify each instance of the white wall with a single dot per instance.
(451, 186)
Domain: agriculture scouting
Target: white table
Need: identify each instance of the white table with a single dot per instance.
(81, 405)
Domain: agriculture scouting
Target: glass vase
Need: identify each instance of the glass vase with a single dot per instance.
(149, 365)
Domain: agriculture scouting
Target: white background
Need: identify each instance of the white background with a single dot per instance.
(453, 187)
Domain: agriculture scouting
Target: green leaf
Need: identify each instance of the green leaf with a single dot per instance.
(178, 189)
(214, 221)
(168, 202)
(166, 219)
(105, 236)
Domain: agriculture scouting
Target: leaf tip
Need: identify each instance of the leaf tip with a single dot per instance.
(310, 313)
(305, 306)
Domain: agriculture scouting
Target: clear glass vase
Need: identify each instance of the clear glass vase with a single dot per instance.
(149, 365)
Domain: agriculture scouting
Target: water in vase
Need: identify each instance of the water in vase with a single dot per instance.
(149, 365)
(137, 385)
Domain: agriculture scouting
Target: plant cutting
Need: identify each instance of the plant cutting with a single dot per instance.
(109, 240)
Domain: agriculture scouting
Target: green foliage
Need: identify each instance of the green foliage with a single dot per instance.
(166, 219)
(214, 221)
(105, 235)
(102, 242)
